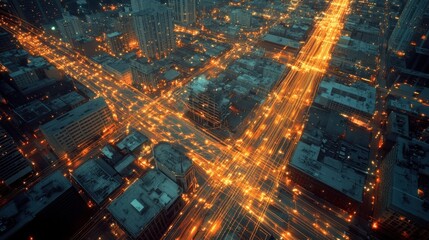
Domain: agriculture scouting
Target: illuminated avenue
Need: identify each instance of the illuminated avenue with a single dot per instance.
(243, 183)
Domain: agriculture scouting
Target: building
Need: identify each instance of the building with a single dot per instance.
(86, 46)
(125, 26)
(397, 126)
(402, 205)
(51, 209)
(13, 166)
(148, 206)
(411, 16)
(184, 11)
(144, 74)
(97, 178)
(138, 5)
(36, 12)
(78, 127)
(116, 43)
(154, 28)
(24, 78)
(70, 27)
(326, 176)
(175, 165)
(356, 101)
(119, 69)
(133, 142)
(208, 106)
(241, 17)
(30, 115)
(331, 159)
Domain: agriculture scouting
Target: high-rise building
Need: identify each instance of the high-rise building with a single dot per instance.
(36, 12)
(13, 166)
(78, 127)
(126, 27)
(154, 28)
(207, 106)
(402, 206)
(184, 11)
(175, 164)
(116, 43)
(70, 27)
(410, 18)
(138, 5)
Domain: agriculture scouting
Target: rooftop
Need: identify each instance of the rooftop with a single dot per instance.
(132, 141)
(139, 205)
(412, 167)
(74, 115)
(72, 99)
(97, 181)
(32, 111)
(199, 84)
(172, 158)
(171, 74)
(328, 170)
(359, 96)
(405, 193)
(408, 106)
(281, 41)
(113, 34)
(398, 123)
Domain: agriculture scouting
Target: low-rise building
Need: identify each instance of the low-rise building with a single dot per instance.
(148, 206)
(357, 100)
(97, 178)
(133, 142)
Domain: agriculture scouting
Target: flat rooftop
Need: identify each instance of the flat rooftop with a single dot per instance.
(172, 158)
(113, 34)
(32, 111)
(97, 181)
(132, 141)
(72, 99)
(408, 106)
(327, 170)
(409, 174)
(360, 96)
(282, 41)
(398, 123)
(140, 204)
(404, 193)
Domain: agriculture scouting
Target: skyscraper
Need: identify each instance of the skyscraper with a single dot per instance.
(154, 28)
(13, 165)
(70, 27)
(410, 18)
(184, 11)
(37, 12)
(138, 5)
